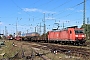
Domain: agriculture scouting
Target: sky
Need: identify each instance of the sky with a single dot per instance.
(25, 15)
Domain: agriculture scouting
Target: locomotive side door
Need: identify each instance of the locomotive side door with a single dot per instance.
(70, 35)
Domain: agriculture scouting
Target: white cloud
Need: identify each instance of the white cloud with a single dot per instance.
(50, 18)
(79, 10)
(1, 23)
(36, 10)
(31, 9)
(70, 8)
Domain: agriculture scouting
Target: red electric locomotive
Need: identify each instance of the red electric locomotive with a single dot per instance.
(72, 34)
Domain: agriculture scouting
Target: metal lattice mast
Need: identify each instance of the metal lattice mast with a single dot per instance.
(5, 31)
(44, 24)
(84, 12)
(16, 27)
(40, 28)
(88, 20)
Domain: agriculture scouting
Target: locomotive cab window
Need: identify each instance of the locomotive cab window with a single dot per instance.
(79, 31)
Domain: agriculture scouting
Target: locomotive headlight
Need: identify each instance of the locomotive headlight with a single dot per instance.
(76, 35)
(83, 36)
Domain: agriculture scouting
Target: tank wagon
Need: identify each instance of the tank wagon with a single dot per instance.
(72, 35)
(30, 36)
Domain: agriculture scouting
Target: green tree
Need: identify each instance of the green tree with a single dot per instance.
(86, 30)
(11, 35)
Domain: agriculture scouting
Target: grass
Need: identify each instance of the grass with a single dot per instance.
(8, 49)
(87, 40)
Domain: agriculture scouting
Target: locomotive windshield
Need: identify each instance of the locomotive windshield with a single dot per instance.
(79, 31)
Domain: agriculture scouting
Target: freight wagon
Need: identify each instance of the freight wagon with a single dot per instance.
(18, 38)
(10, 37)
(72, 35)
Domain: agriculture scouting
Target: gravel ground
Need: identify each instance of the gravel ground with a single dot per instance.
(34, 51)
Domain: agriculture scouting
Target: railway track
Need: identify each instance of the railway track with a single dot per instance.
(81, 51)
(71, 51)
